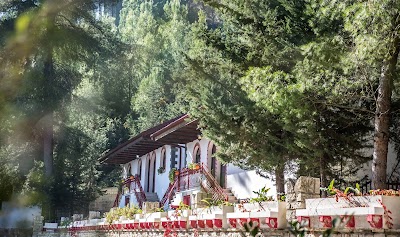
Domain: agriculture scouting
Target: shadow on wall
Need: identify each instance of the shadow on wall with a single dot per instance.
(244, 183)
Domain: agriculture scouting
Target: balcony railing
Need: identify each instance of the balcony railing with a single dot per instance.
(132, 185)
(188, 179)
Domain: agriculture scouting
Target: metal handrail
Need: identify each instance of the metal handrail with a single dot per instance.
(213, 186)
(217, 191)
(116, 201)
(140, 195)
(168, 194)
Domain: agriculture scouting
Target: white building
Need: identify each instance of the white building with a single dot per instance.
(148, 158)
(176, 144)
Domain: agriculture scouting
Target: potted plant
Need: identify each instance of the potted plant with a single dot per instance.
(171, 175)
(260, 202)
(217, 205)
(161, 170)
(193, 166)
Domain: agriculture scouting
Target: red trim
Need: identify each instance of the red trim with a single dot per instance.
(375, 221)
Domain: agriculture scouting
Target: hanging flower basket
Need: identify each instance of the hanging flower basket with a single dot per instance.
(160, 170)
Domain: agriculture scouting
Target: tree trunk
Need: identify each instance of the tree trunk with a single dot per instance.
(322, 172)
(382, 118)
(280, 181)
(48, 144)
(48, 71)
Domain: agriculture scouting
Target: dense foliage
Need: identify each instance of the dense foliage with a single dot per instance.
(280, 86)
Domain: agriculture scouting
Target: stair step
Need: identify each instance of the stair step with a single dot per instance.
(152, 197)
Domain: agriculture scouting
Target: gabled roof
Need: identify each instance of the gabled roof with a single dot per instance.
(179, 130)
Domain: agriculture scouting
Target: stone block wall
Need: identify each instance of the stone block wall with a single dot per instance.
(37, 225)
(105, 202)
(297, 193)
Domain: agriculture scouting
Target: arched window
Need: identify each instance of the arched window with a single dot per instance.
(139, 172)
(197, 154)
(129, 170)
(163, 161)
(213, 165)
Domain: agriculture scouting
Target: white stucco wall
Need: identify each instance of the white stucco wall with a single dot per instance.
(242, 182)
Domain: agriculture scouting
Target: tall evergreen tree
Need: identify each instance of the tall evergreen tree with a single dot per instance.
(42, 61)
(52, 40)
(262, 113)
(155, 30)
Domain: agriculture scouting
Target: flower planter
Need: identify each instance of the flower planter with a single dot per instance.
(213, 221)
(128, 224)
(265, 215)
(183, 213)
(165, 223)
(361, 212)
(193, 222)
(179, 222)
(138, 216)
(238, 219)
(219, 214)
(143, 224)
(201, 223)
(155, 215)
(218, 210)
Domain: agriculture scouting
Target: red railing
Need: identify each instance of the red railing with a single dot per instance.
(193, 178)
(133, 185)
(137, 188)
(189, 178)
(169, 193)
(212, 186)
(116, 201)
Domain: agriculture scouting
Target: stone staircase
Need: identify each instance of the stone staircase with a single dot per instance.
(152, 197)
(231, 196)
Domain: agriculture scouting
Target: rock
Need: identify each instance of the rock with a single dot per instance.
(307, 185)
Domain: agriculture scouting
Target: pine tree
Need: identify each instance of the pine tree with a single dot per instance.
(255, 99)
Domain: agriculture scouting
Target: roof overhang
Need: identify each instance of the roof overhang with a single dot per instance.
(180, 130)
(181, 133)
